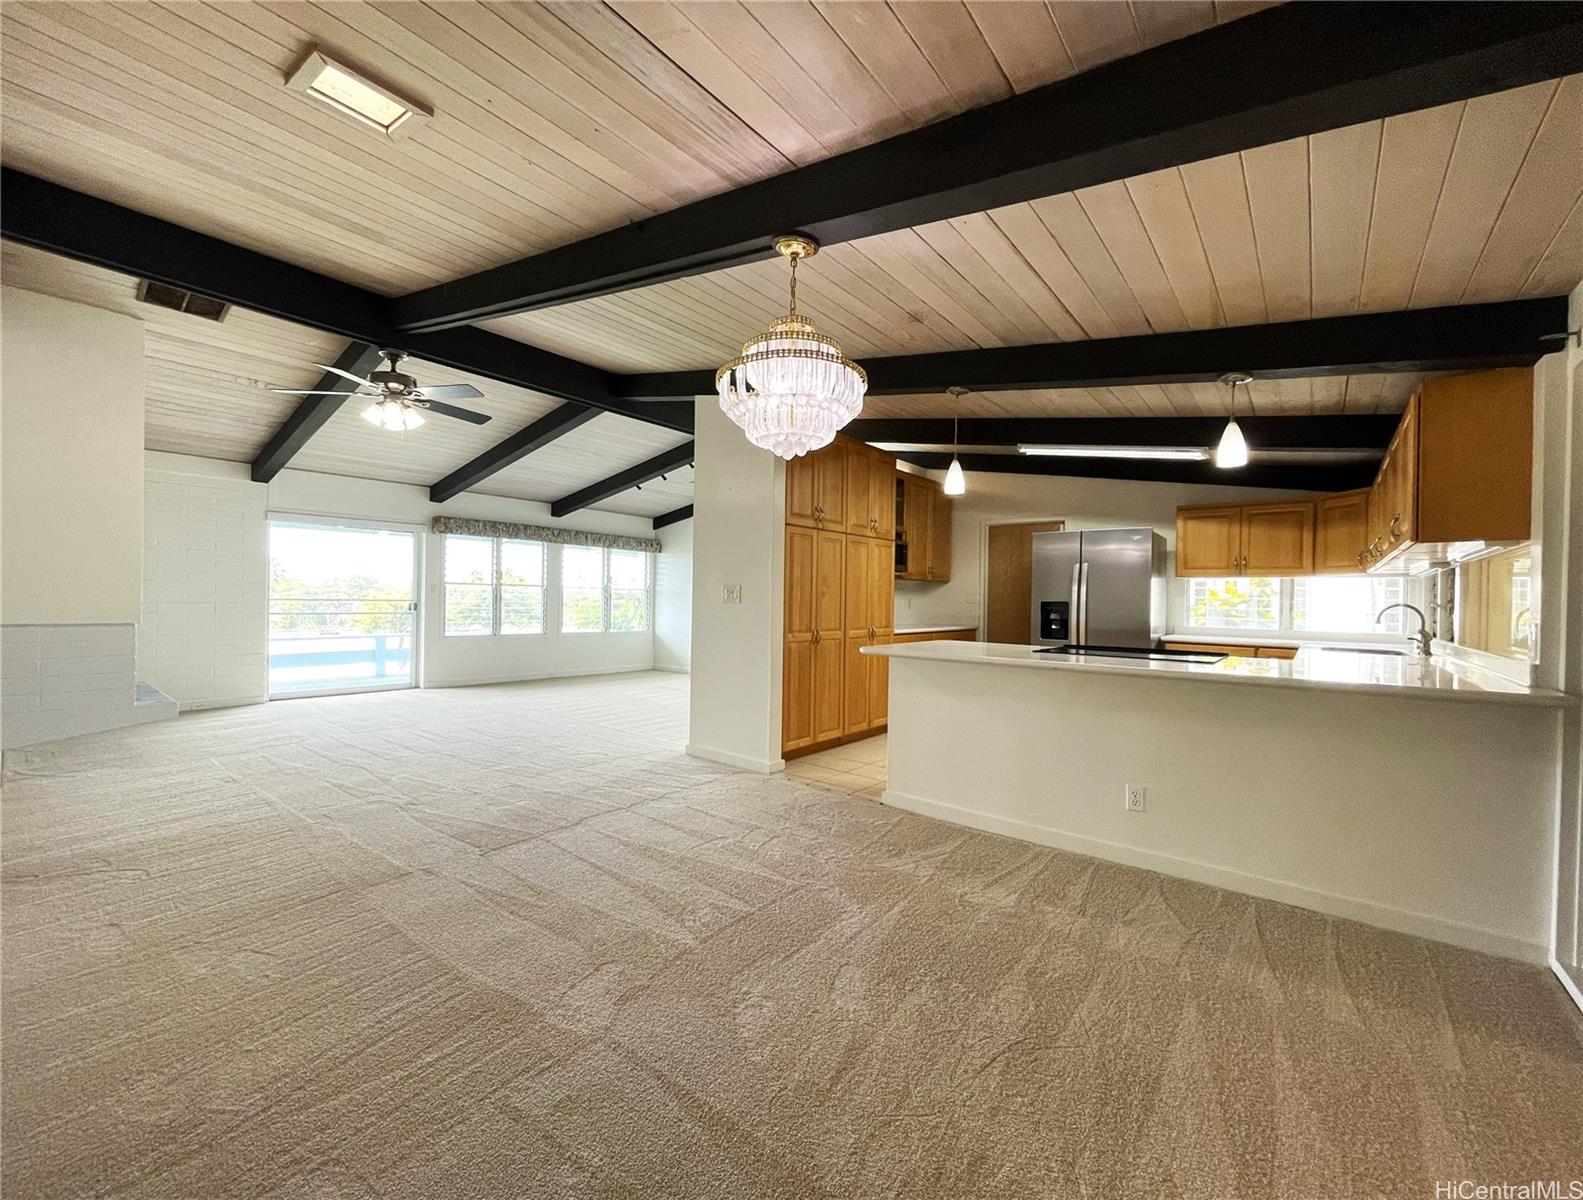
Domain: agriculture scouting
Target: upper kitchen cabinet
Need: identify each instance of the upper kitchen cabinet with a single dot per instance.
(870, 507)
(1456, 482)
(1341, 532)
(923, 530)
(817, 488)
(1208, 541)
(1247, 539)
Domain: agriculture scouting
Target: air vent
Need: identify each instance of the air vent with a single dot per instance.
(166, 296)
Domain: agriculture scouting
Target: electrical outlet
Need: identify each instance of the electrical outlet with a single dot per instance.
(1133, 798)
(731, 594)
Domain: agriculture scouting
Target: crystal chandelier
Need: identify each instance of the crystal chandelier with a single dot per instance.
(791, 388)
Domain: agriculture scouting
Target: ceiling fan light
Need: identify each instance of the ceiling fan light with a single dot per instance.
(392, 415)
(955, 481)
(1233, 448)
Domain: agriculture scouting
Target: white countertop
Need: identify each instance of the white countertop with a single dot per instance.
(935, 628)
(1333, 670)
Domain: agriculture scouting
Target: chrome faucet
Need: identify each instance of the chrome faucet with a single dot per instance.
(1421, 639)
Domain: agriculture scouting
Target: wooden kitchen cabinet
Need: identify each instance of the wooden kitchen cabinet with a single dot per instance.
(924, 527)
(1278, 539)
(817, 488)
(1208, 541)
(1341, 532)
(870, 602)
(1248, 539)
(815, 637)
(937, 563)
(839, 594)
(1456, 481)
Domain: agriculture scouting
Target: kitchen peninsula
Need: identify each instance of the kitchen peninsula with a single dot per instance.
(1415, 795)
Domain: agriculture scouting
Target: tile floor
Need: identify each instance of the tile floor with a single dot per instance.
(857, 768)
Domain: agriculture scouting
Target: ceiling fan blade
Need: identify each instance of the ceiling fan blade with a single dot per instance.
(451, 391)
(292, 392)
(461, 414)
(358, 379)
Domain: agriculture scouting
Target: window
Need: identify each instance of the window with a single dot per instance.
(582, 589)
(629, 591)
(493, 586)
(604, 590)
(1308, 604)
(469, 585)
(521, 586)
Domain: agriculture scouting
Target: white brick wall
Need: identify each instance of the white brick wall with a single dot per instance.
(203, 636)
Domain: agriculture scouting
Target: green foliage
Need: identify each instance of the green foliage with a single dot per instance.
(1234, 603)
(354, 604)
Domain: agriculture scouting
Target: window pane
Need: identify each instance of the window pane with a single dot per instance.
(1234, 603)
(521, 608)
(469, 609)
(1348, 604)
(469, 559)
(521, 562)
(629, 569)
(629, 610)
(582, 589)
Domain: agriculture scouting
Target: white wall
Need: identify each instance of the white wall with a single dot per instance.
(446, 661)
(1558, 518)
(738, 519)
(1432, 817)
(71, 462)
(1081, 503)
(205, 583)
(673, 598)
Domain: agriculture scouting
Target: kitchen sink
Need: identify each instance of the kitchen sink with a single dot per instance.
(1361, 650)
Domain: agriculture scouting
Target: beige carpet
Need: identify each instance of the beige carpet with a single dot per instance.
(509, 942)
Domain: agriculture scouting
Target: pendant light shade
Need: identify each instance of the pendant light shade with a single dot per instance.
(791, 388)
(1233, 448)
(390, 413)
(955, 480)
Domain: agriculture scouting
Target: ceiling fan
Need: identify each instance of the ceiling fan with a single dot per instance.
(397, 398)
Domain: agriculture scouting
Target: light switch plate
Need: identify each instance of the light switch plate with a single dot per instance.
(731, 594)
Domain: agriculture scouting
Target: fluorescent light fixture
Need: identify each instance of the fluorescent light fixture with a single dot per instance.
(1172, 453)
(353, 95)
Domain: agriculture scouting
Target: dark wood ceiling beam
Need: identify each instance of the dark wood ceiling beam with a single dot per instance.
(519, 445)
(1338, 432)
(314, 411)
(662, 463)
(684, 513)
(1292, 70)
(1464, 337)
(45, 215)
(1319, 477)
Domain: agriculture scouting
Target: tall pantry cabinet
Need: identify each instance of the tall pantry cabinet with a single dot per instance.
(840, 585)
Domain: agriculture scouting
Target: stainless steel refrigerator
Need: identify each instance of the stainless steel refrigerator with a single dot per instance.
(1098, 587)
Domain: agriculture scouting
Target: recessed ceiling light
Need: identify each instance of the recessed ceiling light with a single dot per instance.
(1179, 453)
(353, 95)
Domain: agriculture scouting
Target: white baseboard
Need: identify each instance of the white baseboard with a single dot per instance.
(484, 680)
(674, 670)
(729, 758)
(206, 705)
(1574, 987)
(1350, 908)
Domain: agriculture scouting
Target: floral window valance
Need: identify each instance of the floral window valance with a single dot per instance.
(542, 533)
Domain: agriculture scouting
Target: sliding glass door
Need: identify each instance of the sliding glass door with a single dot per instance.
(343, 610)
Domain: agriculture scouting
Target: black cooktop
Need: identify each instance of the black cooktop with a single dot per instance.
(1091, 651)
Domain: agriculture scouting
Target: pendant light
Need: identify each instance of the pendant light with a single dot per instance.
(791, 388)
(955, 481)
(1233, 448)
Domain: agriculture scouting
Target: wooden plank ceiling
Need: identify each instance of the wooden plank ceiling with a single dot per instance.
(556, 121)
(206, 392)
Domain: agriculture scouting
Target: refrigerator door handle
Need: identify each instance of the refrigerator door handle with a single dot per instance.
(1082, 629)
(1074, 629)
